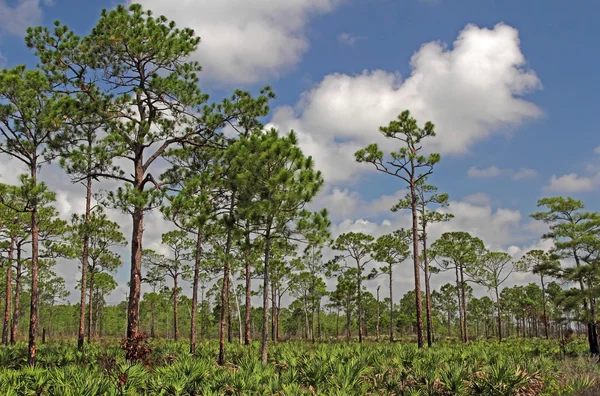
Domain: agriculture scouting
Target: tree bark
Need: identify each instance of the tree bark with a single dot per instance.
(273, 312)
(377, 320)
(417, 269)
(225, 288)
(359, 299)
(427, 291)
(19, 274)
(460, 306)
(464, 305)
(33, 319)
(91, 304)
(175, 306)
(248, 310)
(84, 263)
(194, 318)
(391, 307)
(544, 302)
(133, 309)
(499, 315)
(8, 297)
(265, 329)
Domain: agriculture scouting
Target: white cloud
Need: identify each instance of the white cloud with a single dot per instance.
(348, 39)
(597, 150)
(572, 183)
(478, 199)
(469, 92)
(16, 18)
(492, 171)
(245, 41)
(524, 174)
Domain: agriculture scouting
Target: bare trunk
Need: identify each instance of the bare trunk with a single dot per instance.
(460, 306)
(175, 306)
(377, 321)
(194, 318)
(248, 310)
(544, 303)
(273, 313)
(33, 319)
(499, 315)
(391, 308)
(417, 269)
(427, 291)
(265, 329)
(319, 324)
(359, 299)
(8, 297)
(91, 304)
(84, 263)
(464, 305)
(133, 309)
(15, 320)
(225, 289)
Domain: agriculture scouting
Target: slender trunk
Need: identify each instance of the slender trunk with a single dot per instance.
(499, 315)
(265, 329)
(319, 324)
(226, 276)
(229, 314)
(348, 321)
(306, 323)
(460, 306)
(33, 320)
(449, 324)
(427, 290)
(377, 319)
(237, 308)
(8, 297)
(197, 264)
(202, 325)
(15, 320)
(417, 269)
(544, 303)
(278, 316)
(248, 311)
(91, 304)
(592, 334)
(337, 323)
(133, 308)
(312, 322)
(273, 312)
(359, 299)
(84, 263)
(175, 306)
(97, 314)
(391, 308)
(464, 304)
(152, 322)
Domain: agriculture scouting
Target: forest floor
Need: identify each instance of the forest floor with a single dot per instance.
(513, 367)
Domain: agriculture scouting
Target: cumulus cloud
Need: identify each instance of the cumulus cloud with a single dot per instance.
(16, 18)
(572, 183)
(348, 39)
(469, 92)
(494, 171)
(245, 41)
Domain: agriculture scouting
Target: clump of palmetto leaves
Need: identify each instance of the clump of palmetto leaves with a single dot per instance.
(515, 367)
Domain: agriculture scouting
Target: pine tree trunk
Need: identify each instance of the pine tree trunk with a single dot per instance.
(273, 313)
(84, 263)
(19, 274)
(417, 269)
(319, 324)
(8, 296)
(91, 304)
(225, 288)
(359, 299)
(464, 304)
(175, 308)
(194, 318)
(133, 309)
(391, 308)
(265, 328)
(499, 315)
(460, 306)
(544, 302)
(248, 310)
(427, 291)
(33, 319)
(377, 319)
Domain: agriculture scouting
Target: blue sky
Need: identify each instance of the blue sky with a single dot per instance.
(515, 104)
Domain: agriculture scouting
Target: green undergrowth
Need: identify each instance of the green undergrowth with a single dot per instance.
(515, 367)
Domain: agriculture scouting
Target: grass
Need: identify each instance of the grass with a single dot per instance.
(515, 367)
